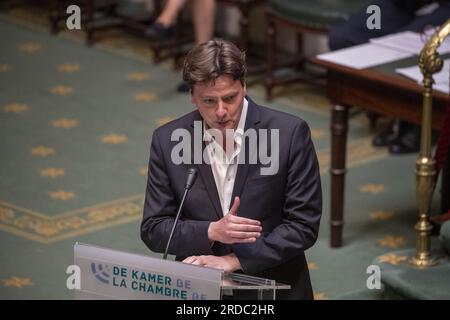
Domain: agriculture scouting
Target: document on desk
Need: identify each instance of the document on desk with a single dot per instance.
(409, 41)
(441, 78)
(442, 87)
(364, 56)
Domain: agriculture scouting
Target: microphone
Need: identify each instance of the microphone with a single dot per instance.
(192, 176)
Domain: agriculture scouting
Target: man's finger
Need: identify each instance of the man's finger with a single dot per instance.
(189, 259)
(235, 206)
(244, 235)
(197, 262)
(246, 227)
(241, 220)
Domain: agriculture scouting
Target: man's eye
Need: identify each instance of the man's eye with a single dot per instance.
(208, 101)
(229, 99)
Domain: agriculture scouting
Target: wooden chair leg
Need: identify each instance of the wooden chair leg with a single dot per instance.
(339, 129)
(53, 16)
(271, 44)
(373, 117)
(244, 26)
(90, 7)
(300, 48)
(179, 55)
(112, 9)
(445, 188)
(157, 8)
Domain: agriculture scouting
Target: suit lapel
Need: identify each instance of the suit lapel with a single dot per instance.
(210, 185)
(251, 122)
(206, 172)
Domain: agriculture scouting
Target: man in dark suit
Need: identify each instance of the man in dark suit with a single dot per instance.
(257, 211)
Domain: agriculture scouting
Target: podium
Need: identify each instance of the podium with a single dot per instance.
(111, 274)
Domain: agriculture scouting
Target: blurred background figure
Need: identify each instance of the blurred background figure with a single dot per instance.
(203, 17)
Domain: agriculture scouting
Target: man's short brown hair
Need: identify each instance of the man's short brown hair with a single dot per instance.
(210, 60)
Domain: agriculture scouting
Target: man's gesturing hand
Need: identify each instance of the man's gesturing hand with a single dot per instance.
(233, 229)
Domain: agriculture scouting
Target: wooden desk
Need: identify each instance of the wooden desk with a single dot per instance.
(376, 89)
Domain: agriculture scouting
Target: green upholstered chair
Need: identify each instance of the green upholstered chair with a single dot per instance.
(302, 16)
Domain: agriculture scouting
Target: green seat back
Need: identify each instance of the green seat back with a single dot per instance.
(321, 14)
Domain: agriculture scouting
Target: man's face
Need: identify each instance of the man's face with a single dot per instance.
(220, 102)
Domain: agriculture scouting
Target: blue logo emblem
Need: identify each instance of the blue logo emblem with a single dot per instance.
(101, 272)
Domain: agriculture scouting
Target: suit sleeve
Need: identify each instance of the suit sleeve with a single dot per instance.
(301, 212)
(160, 208)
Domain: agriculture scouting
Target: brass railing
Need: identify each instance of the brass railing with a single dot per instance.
(429, 63)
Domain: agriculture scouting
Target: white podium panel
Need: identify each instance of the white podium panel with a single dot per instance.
(111, 274)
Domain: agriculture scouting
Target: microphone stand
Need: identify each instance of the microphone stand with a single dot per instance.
(192, 176)
(175, 223)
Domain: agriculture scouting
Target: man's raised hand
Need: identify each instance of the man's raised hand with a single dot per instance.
(233, 229)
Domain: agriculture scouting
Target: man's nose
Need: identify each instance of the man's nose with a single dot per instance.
(221, 112)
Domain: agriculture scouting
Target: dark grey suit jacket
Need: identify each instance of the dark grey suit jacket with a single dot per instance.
(288, 204)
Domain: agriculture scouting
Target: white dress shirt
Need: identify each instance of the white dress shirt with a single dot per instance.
(223, 166)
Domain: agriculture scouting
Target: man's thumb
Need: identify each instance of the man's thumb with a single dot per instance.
(234, 208)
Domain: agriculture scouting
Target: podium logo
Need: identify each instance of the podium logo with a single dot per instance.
(101, 272)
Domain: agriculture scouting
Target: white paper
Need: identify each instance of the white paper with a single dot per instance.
(441, 78)
(442, 87)
(415, 73)
(364, 56)
(409, 41)
(411, 72)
